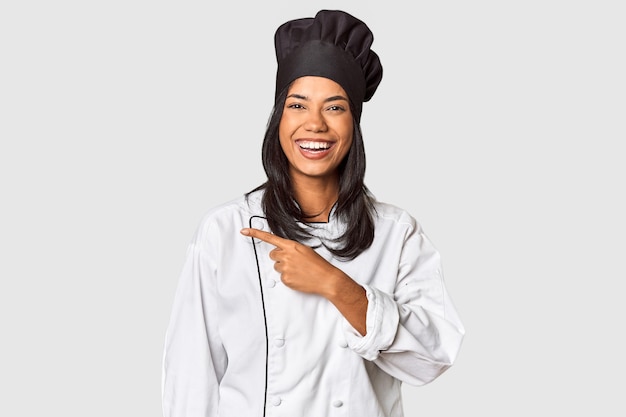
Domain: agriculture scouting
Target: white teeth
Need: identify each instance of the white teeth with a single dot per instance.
(313, 145)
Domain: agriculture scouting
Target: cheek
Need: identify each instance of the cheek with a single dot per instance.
(346, 129)
(347, 143)
(346, 148)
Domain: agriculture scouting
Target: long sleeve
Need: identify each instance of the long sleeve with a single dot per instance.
(193, 359)
(414, 333)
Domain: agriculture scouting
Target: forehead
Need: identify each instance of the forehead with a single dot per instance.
(316, 87)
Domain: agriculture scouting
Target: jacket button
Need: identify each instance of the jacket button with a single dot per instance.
(279, 342)
(276, 401)
(270, 283)
(343, 344)
(337, 403)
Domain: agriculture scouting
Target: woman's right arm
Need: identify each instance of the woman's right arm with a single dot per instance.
(194, 359)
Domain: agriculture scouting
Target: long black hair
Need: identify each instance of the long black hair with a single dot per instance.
(354, 205)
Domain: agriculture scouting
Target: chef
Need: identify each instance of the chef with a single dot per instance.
(308, 297)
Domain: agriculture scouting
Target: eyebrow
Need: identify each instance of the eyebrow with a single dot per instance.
(301, 97)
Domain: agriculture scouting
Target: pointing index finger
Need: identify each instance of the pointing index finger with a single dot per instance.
(264, 236)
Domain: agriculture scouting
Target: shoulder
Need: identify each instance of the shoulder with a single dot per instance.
(395, 224)
(391, 215)
(231, 215)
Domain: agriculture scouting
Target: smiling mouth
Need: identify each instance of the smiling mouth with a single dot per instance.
(314, 146)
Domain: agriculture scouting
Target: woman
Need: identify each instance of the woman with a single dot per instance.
(307, 297)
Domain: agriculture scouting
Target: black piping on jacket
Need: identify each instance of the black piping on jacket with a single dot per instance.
(258, 268)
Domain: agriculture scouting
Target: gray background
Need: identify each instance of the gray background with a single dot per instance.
(499, 125)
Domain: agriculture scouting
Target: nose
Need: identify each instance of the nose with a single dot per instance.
(315, 122)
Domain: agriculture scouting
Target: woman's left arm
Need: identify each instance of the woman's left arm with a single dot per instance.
(415, 333)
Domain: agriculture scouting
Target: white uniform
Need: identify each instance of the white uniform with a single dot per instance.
(242, 344)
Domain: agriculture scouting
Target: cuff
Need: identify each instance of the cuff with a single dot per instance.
(381, 323)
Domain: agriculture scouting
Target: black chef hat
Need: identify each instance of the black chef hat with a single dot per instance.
(333, 45)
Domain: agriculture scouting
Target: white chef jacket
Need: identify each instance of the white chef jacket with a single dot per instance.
(242, 344)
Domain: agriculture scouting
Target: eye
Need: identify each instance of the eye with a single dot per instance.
(295, 106)
(336, 108)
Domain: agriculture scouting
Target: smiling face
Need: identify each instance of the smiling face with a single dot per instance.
(316, 128)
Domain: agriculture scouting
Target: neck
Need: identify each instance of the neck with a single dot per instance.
(316, 197)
